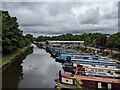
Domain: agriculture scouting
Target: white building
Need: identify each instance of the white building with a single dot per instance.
(74, 43)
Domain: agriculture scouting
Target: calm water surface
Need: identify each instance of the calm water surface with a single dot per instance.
(37, 70)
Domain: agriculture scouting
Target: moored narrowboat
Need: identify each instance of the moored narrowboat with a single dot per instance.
(90, 70)
(88, 82)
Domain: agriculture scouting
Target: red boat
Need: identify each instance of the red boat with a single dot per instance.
(88, 82)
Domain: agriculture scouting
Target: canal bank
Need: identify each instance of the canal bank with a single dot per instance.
(6, 60)
(37, 70)
(12, 73)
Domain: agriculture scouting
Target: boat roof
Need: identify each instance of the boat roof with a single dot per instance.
(65, 55)
(92, 60)
(66, 41)
(104, 68)
(64, 49)
(77, 57)
(93, 78)
(97, 63)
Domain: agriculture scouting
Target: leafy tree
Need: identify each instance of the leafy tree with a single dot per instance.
(12, 37)
(94, 42)
(102, 40)
(114, 41)
(29, 36)
(87, 40)
(78, 83)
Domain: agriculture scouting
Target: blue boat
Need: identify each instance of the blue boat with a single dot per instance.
(64, 57)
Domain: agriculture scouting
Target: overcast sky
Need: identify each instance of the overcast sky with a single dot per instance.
(55, 18)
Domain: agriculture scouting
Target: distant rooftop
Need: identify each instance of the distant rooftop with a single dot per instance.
(67, 41)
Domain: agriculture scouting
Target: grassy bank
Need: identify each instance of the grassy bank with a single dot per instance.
(13, 56)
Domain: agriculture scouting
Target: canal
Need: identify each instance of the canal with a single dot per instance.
(37, 70)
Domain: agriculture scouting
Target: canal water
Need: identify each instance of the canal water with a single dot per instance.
(37, 70)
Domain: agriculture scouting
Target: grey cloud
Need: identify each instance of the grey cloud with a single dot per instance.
(53, 18)
(91, 16)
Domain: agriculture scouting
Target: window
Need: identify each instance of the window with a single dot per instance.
(91, 84)
(104, 85)
(66, 80)
(109, 86)
(99, 85)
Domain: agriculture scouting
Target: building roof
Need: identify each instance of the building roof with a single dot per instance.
(66, 41)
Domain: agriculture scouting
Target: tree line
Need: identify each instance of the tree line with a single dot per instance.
(12, 36)
(91, 39)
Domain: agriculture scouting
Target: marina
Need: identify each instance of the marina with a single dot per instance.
(65, 67)
(93, 71)
(60, 45)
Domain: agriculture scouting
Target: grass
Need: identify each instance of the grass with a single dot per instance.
(7, 59)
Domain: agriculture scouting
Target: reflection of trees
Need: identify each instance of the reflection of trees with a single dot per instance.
(12, 74)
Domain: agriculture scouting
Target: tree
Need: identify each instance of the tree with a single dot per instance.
(29, 36)
(12, 37)
(113, 41)
(102, 40)
(94, 42)
(118, 43)
(78, 83)
(87, 40)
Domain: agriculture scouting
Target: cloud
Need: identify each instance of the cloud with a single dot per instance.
(54, 18)
(91, 16)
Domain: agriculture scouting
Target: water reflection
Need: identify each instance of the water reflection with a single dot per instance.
(40, 70)
(12, 74)
(37, 70)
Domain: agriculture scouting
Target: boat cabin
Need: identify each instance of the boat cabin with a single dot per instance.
(89, 82)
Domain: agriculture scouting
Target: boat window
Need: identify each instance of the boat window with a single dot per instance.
(95, 58)
(78, 73)
(85, 58)
(104, 85)
(99, 85)
(91, 84)
(109, 86)
(66, 80)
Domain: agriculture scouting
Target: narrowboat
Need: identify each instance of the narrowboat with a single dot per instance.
(78, 56)
(84, 59)
(90, 70)
(63, 58)
(87, 82)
